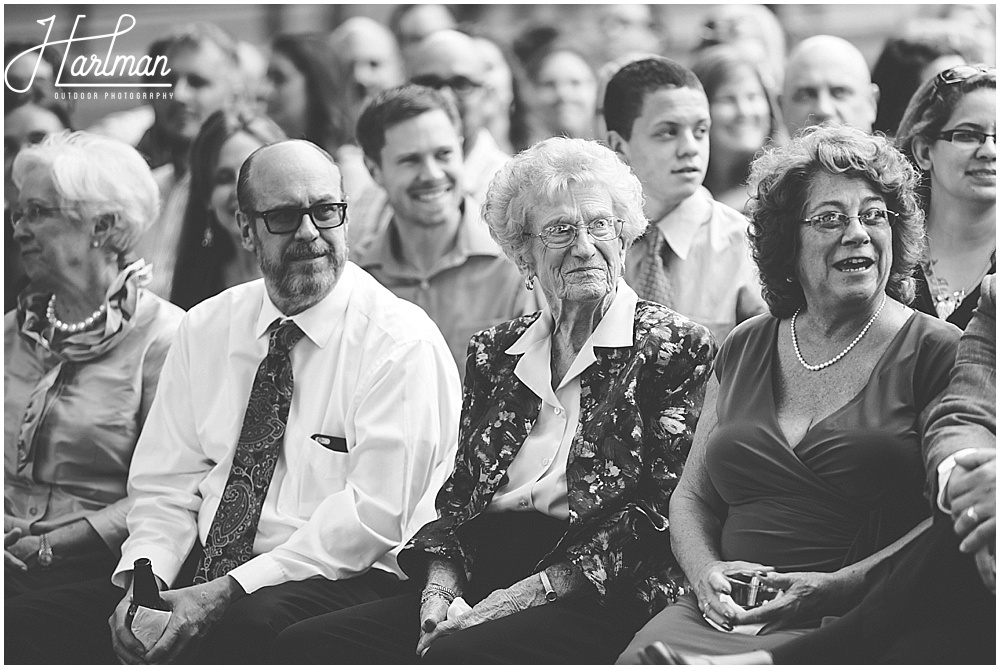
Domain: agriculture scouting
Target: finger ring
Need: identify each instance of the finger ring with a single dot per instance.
(972, 514)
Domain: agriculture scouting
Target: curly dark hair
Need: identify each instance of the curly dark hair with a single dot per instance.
(779, 186)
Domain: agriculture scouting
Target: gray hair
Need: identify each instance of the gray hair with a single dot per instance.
(545, 171)
(97, 176)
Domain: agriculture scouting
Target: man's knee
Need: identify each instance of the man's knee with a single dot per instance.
(243, 634)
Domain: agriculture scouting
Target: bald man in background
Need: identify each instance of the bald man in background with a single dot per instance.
(827, 79)
(451, 60)
(370, 56)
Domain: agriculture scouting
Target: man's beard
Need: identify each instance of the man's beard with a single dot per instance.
(298, 283)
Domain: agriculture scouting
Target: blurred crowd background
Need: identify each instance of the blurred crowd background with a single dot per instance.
(520, 74)
(599, 32)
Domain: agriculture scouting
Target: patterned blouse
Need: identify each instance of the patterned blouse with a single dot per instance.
(638, 409)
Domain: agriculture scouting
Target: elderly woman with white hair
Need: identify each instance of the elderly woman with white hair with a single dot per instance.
(551, 543)
(82, 354)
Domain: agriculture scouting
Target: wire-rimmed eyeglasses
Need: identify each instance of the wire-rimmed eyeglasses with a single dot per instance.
(561, 235)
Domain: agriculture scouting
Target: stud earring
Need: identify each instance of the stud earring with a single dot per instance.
(95, 243)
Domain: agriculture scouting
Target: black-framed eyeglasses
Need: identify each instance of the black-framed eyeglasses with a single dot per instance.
(286, 220)
(32, 212)
(834, 221)
(965, 137)
(461, 85)
(561, 235)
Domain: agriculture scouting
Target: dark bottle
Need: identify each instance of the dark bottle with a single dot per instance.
(144, 589)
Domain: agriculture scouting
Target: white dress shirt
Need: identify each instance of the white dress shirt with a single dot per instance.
(713, 278)
(537, 475)
(372, 369)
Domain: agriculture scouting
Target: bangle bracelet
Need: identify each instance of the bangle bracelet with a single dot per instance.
(550, 593)
(44, 551)
(435, 590)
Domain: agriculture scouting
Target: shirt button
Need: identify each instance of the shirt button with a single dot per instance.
(557, 410)
(33, 510)
(545, 462)
(425, 285)
(523, 503)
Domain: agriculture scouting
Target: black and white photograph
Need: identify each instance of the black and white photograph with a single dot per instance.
(500, 334)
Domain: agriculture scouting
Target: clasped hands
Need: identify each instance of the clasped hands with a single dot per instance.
(804, 595)
(434, 621)
(193, 612)
(971, 495)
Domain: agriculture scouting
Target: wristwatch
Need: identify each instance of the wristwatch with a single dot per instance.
(44, 551)
(550, 593)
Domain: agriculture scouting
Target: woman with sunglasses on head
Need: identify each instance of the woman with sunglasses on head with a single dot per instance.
(806, 472)
(949, 132)
(210, 256)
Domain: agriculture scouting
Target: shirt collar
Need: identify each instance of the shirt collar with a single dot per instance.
(615, 330)
(318, 321)
(472, 239)
(680, 226)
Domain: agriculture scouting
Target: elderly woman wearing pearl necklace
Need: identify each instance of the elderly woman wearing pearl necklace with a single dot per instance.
(806, 466)
(82, 355)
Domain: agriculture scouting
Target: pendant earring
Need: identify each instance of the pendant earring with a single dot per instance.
(529, 282)
(208, 237)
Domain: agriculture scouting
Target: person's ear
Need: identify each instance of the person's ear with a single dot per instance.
(375, 170)
(618, 144)
(103, 226)
(876, 94)
(922, 153)
(247, 237)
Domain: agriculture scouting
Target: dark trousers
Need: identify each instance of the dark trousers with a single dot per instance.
(507, 548)
(76, 596)
(68, 624)
(928, 606)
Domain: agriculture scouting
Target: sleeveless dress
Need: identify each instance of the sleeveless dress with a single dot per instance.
(850, 487)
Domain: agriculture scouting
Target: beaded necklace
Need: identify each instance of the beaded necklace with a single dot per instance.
(50, 314)
(824, 365)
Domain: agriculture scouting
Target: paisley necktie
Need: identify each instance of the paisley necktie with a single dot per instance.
(231, 536)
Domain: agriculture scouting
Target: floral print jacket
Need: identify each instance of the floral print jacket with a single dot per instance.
(638, 410)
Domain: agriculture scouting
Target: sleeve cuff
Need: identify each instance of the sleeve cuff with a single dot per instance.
(944, 474)
(166, 565)
(258, 573)
(112, 533)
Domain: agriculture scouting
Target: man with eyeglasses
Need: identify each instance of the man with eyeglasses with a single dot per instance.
(435, 251)
(451, 61)
(827, 80)
(694, 256)
(302, 426)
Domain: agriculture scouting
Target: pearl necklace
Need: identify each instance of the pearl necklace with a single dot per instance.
(50, 314)
(824, 365)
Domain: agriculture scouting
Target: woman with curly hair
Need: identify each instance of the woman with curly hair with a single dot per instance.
(806, 469)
